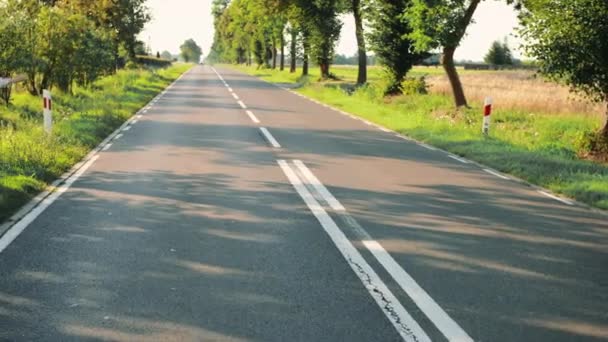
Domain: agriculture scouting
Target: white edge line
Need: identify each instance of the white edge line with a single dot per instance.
(427, 146)
(406, 326)
(555, 197)
(270, 138)
(321, 189)
(252, 116)
(20, 226)
(458, 159)
(496, 174)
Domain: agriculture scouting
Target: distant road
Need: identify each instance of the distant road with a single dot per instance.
(231, 209)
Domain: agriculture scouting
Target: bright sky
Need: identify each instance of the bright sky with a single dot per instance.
(178, 20)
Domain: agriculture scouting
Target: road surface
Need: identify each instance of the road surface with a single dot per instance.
(231, 209)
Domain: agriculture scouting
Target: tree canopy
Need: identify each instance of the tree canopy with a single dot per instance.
(190, 51)
(569, 41)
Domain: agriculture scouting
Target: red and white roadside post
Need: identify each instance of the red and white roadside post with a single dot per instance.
(48, 111)
(487, 113)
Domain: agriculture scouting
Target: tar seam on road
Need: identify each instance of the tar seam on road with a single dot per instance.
(271, 140)
(448, 327)
(406, 326)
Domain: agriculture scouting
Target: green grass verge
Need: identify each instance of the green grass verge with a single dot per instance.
(29, 159)
(541, 148)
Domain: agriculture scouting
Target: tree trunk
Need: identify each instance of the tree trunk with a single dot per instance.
(274, 53)
(362, 77)
(293, 50)
(324, 66)
(282, 51)
(306, 51)
(605, 129)
(447, 60)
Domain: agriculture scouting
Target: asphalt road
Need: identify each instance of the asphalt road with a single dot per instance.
(232, 209)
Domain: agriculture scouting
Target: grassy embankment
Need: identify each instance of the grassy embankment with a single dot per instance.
(29, 159)
(539, 132)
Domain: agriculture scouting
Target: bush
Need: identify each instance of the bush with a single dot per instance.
(150, 61)
(413, 85)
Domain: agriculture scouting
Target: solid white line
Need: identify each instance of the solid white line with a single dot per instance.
(319, 187)
(252, 117)
(383, 129)
(242, 104)
(496, 174)
(458, 159)
(270, 138)
(403, 322)
(236, 97)
(20, 226)
(448, 327)
(118, 136)
(556, 198)
(427, 147)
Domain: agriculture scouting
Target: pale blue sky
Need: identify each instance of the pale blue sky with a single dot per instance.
(177, 20)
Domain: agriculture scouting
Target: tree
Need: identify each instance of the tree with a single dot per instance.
(389, 39)
(190, 51)
(568, 40)
(127, 18)
(359, 33)
(324, 26)
(499, 54)
(166, 55)
(443, 24)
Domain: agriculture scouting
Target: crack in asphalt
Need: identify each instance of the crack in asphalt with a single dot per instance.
(388, 306)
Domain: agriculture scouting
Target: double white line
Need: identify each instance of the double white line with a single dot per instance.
(310, 188)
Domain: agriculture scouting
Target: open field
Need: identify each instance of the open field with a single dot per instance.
(29, 159)
(542, 145)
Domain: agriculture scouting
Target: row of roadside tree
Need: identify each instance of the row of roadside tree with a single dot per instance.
(566, 38)
(57, 43)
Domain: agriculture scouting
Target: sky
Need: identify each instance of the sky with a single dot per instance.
(178, 20)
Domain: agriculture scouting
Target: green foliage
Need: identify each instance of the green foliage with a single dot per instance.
(66, 42)
(499, 54)
(153, 61)
(389, 39)
(30, 159)
(190, 51)
(568, 40)
(166, 55)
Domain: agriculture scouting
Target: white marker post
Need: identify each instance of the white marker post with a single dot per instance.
(48, 111)
(487, 113)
